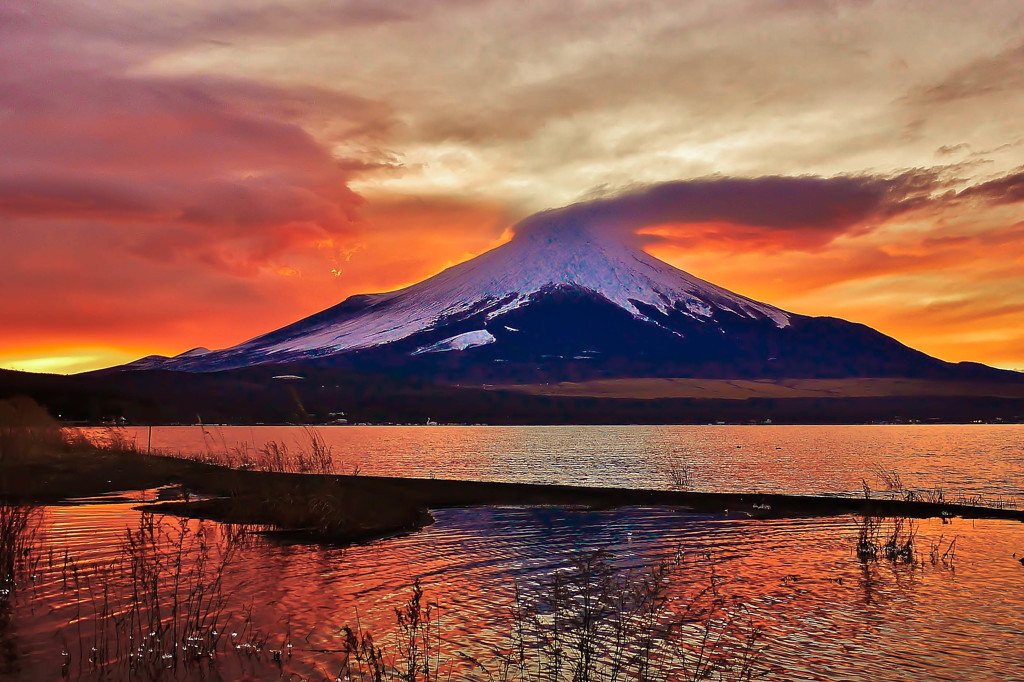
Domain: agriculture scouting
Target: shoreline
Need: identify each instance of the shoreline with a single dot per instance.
(430, 494)
(534, 425)
(346, 509)
(253, 396)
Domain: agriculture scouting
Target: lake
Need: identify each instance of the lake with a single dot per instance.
(824, 613)
(979, 459)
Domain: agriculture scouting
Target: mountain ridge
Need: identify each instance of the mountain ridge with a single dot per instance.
(565, 301)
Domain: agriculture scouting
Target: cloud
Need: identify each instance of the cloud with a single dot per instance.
(788, 212)
(164, 165)
(138, 208)
(551, 101)
(1008, 189)
(222, 171)
(982, 77)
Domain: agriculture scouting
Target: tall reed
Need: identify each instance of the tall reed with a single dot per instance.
(19, 532)
(590, 622)
(160, 610)
(313, 456)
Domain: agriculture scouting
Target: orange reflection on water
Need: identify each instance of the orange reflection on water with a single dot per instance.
(825, 614)
(784, 459)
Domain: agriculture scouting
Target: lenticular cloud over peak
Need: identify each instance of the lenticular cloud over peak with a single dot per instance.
(573, 295)
(819, 209)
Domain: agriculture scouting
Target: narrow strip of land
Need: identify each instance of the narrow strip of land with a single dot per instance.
(344, 509)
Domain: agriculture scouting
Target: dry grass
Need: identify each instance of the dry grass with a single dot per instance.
(894, 539)
(677, 471)
(943, 554)
(160, 609)
(19, 534)
(42, 462)
(27, 431)
(314, 456)
(894, 487)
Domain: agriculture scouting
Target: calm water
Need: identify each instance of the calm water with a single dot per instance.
(825, 614)
(985, 460)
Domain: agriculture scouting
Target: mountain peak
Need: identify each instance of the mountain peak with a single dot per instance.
(556, 252)
(568, 298)
(505, 278)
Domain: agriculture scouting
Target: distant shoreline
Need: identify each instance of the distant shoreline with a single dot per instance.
(324, 396)
(912, 422)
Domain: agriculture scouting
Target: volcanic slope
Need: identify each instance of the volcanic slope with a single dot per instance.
(564, 300)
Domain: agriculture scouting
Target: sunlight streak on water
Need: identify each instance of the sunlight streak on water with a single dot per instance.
(979, 459)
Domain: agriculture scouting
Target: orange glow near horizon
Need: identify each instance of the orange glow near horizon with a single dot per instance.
(180, 174)
(919, 296)
(401, 241)
(948, 298)
(937, 295)
(67, 360)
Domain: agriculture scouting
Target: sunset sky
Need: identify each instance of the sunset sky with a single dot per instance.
(179, 173)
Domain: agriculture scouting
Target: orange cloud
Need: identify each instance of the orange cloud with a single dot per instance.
(955, 290)
(82, 293)
(179, 175)
(149, 213)
(407, 239)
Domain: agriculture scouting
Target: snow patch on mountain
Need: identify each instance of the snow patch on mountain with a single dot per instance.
(479, 337)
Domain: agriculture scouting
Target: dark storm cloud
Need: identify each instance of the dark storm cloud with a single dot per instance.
(797, 212)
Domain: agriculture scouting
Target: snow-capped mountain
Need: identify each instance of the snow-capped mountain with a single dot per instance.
(565, 300)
